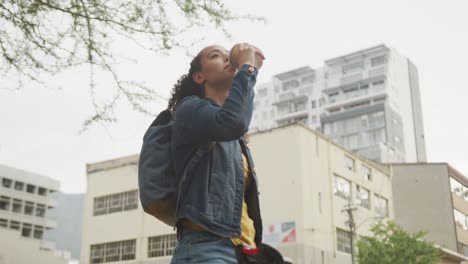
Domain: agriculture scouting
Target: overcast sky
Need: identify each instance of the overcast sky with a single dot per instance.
(39, 126)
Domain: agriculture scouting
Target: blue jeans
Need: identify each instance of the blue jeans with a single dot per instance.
(199, 247)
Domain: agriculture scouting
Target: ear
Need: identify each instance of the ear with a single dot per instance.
(198, 78)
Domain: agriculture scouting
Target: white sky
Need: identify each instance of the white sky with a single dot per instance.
(39, 127)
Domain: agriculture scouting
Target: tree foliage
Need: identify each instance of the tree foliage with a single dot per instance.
(390, 244)
(45, 37)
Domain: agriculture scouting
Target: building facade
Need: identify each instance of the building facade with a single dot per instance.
(308, 181)
(367, 101)
(25, 198)
(115, 228)
(433, 197)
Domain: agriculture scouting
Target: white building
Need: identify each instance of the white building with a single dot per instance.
(367, 101)
(25, 198)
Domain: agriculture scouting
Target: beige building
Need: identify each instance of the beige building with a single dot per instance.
(25, 198)
(305, 181)
(115, 228)
(433, 197)
(308, 180)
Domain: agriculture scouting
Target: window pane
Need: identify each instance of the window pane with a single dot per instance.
(19, 186)
(342, 187)
(160, 246)
(6, 183)
(40, 210)
(27, 230)
(100, 205)
(115, 203)
(128, 249)
(362, 197)
(17, 206)
(30, 188)
(343, 240)
(4, 203)
(131, 200)
(112, 252)
(29, 208)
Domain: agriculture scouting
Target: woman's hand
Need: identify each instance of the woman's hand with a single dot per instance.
(245, 53)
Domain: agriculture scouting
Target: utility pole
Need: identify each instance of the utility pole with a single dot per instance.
(349, 208)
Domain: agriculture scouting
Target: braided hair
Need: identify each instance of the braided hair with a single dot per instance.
(186, 86)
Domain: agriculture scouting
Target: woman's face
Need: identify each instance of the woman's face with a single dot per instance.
(216, 69)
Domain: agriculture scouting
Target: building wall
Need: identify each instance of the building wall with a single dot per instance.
(15, 249)
(422, 199)
(118, 226)
(25, 199)
(296, 184)
(417, 112)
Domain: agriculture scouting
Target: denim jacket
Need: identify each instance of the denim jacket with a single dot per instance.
(212, 184)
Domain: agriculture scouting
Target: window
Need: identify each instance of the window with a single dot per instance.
(114, 251)
(40, 210)
(161, 245)
(115, 203)
(376, 61)
(128, 249)
(314, 104)
(367, 173)
(343, 240)
(29, 208)
(463, 249)
(352, 66)
(349, 163)
(30, 188)
(460, 219)
(131, 200)
(19, 186)
(14, 225)
(381, 205)
(17, 206)
(38, 232)
(342, 187)
(458, 188)
(4, 203)
(3, 223)
(100, 205)
(290, 85)
(27, 229)
(42, 191)
(362, 197)
(314, 119)
(6, 183)
(97, 253)
(299, 106)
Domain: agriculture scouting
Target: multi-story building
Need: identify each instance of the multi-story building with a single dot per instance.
(433, 197)
(308, 182)
(367, 101)
(25, 198)
(115, 228)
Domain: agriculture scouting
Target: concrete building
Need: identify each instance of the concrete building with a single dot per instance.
(433, 197)
(25, 198)
(308, 181)
(367, 101)
(115, 228)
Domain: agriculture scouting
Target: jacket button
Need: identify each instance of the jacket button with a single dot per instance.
(248, 145)
(254, 170)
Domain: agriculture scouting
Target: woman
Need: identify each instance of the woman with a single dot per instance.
(218, 206)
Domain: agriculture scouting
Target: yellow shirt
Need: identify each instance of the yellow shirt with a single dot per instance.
(247, 225)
